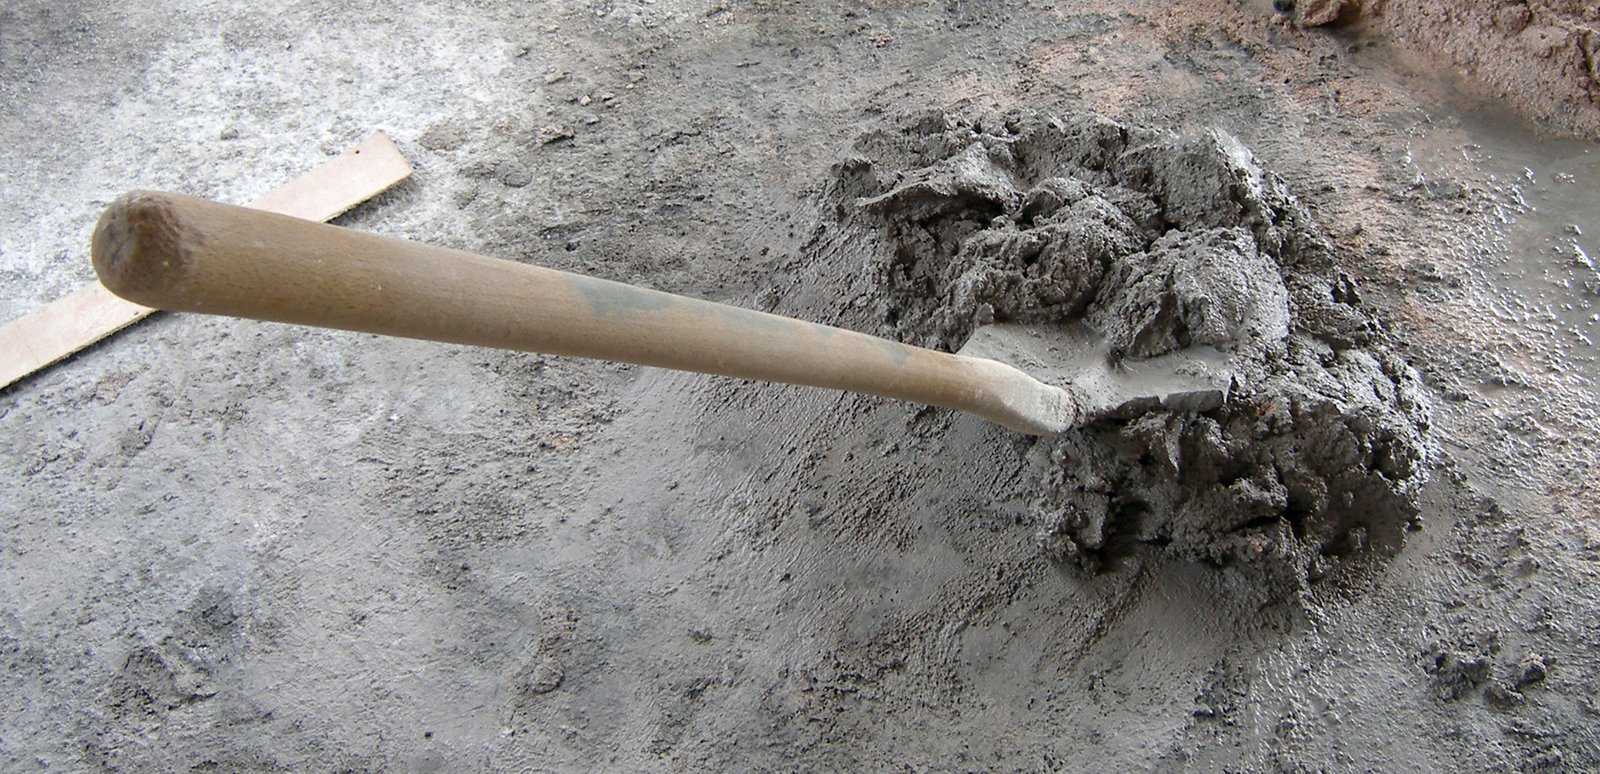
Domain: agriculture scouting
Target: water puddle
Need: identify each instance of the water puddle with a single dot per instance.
(1552, 221)
(1538, 270)
(1530, 207)
(1531, 258)
(1517, 247)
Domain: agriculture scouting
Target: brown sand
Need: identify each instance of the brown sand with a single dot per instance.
(1541, 57)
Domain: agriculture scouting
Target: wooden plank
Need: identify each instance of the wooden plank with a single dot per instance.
(91, 313)
(324, 193)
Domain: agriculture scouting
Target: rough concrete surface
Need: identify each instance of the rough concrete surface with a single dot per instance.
(241, 546)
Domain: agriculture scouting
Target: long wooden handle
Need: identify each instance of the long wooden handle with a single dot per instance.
(185, 254)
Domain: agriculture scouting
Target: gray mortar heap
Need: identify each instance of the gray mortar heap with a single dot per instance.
(1157, 242)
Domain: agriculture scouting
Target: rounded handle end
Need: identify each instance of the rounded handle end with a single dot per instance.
(138, 248)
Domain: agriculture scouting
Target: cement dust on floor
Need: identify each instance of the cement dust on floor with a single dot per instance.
(250, 547)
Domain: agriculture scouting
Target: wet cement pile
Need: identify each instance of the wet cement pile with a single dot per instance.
(1158, 242)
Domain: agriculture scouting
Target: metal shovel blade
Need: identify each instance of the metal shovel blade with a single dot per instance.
(1074, 356)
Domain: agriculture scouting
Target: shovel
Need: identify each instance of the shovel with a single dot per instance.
(191, 255)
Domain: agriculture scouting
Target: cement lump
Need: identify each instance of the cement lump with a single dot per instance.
(1158, 242)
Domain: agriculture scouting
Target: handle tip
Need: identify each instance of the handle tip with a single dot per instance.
(137, 247)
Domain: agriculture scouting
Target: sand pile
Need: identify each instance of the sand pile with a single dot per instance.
(1159, 242)
(1540, 56)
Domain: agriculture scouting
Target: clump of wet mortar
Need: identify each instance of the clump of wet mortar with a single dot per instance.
(1158, 242)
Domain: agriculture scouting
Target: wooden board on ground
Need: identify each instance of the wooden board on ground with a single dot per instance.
(92, 313)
